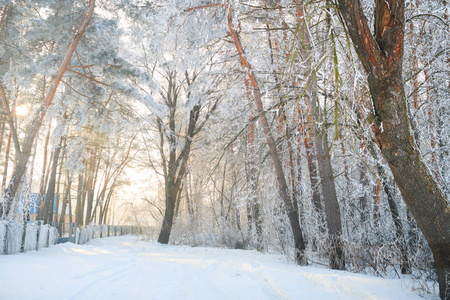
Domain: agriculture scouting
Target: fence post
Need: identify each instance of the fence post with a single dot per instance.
(5, 250)
(2, 250)
(48, 236)
(24, 235)
(70, 232)
(37, 235)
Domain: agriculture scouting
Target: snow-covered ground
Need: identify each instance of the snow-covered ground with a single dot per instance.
(124, 268)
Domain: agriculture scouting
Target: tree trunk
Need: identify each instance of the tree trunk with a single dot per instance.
(174, 179)
(382, 59)
(90, 186)
(58, 181)
(6, 162)
(50, 196)
(253, 206)
(104, 213)
(40, 211)
(281, 179)
(66, 198)
(332, 211)
(308, 138)
(176, 167)
(189, 199)
(166, 228)
(2, 132)
(393, 208)
(79, 209)
(362, 199)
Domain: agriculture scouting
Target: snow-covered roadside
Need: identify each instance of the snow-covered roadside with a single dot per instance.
(123, 268)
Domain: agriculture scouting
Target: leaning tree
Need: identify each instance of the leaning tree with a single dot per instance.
(382, 58)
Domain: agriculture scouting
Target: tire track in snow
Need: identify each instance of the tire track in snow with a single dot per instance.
(123, 268)
(267, 283)
(101, 276)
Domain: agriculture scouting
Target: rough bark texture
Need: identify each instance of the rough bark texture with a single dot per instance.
(382, 59)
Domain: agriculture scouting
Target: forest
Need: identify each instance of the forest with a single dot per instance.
(316, 129)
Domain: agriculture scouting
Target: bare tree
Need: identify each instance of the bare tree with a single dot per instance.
(174, 162)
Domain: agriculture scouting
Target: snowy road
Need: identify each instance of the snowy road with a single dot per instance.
(123, 268)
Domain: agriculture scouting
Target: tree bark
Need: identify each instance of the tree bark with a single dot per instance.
(58, 181)
(253, 205)
(66, 198)
(104, 215)
(41, 205)
(307, 129)
(79, 209)
(332, 210)
(50, 196)
(382, 59)
(6, 162)
(91, 182)
(2, 133)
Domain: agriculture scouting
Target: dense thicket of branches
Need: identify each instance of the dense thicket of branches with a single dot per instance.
(318, 129)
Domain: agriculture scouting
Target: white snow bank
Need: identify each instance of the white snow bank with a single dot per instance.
(123, 268)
